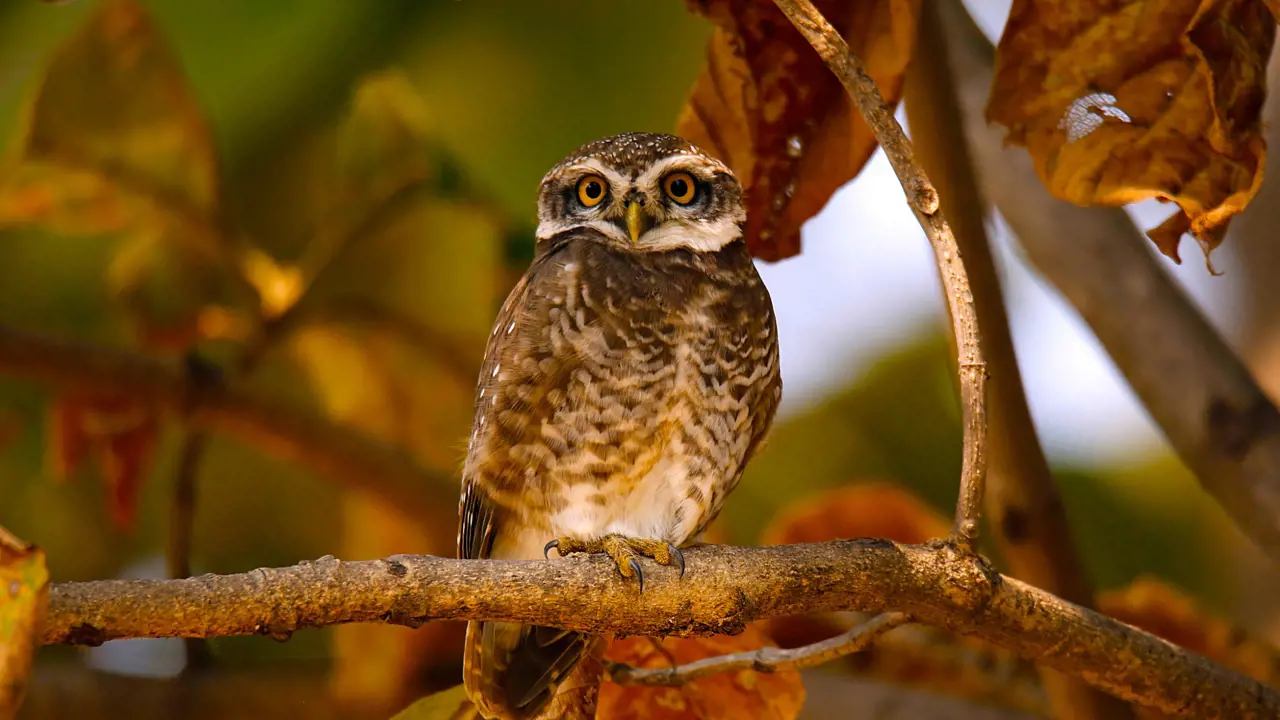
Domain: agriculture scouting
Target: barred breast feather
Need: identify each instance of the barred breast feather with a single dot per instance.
(621, 392)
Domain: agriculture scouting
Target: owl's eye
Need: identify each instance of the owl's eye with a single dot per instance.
(680, 187)
(591, 190)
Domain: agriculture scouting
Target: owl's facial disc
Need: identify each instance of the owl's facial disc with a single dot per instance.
(645, 193)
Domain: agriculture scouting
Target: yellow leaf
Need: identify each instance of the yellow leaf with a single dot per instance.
(64, 200)
(767, 106)
(279, 286)
(451, 704)
(24, 594)
(1120, 102)
(114, 101)
(738, 694)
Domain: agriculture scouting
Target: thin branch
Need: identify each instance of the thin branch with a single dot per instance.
(1028, 519)
(765, 659)
(334, 451)
(724, 588)
(1213, 413)
(923, 199)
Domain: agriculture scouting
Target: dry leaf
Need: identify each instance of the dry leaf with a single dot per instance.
(1160, 609)
(115, 143)
(119, 430)
(880, 510)
(114, 101)
(24, 593)
(1122, 101)
(739, 694)
(767, 106)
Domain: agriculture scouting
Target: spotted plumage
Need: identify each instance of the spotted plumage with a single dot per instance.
(629, 377)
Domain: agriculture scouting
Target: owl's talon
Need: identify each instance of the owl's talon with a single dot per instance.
(546, 549)
(635, 568)
(678, 555)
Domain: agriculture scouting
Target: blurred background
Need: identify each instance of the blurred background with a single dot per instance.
(507, 90)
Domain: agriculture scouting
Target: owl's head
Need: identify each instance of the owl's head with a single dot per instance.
(643, 192)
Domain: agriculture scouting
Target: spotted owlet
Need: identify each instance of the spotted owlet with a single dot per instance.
(630, 375)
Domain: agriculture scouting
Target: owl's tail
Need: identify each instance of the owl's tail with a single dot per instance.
(511, 671)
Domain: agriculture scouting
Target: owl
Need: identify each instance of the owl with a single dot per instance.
(630, 375)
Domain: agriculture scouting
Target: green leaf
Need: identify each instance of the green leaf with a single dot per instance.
(24, 594)
(451, 704)
(383, 145)
(172, 292)
(114, 101)
(383, 157)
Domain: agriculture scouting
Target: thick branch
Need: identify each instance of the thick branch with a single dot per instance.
(924, 203)
(1200, 394)
(337, 452)
(724, 588)
(1028, 520)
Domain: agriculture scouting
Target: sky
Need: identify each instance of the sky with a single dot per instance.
(866, 283)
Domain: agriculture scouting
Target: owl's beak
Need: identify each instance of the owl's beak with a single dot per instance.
(638, 221)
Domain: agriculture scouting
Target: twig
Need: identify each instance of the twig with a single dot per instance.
(923, 198)
(1195, 388)
(765, 659)
(1028, 520)
(339, 453)
(724, 588)
(182, 510)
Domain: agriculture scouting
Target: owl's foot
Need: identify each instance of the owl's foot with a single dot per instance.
(624, 551)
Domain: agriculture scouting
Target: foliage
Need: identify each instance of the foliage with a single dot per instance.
(24, 592)
(355, 266)
(1121, 102)
(767, 105)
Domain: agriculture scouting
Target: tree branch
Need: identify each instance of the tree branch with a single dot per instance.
(1200, 394)
(724, 588)
(1028, 520)
(765, 659)
(923, 199)
(337, 452)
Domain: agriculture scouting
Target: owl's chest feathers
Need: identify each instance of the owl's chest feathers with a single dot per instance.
(686, 391)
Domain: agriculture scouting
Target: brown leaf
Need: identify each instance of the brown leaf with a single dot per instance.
(121, 432)
(879, 510)
(1160, 609)
(114, 101)
(24, 594)
(1122, 101)
(740, 694)
(767, 106)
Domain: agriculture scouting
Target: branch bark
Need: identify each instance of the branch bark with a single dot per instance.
(1200, 394)
(724, 588)
(1029, 523)
(765, 659)
(339, 453)
(923, 198)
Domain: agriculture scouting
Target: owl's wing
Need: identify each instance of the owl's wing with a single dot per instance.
(511, 669)
(479, 516)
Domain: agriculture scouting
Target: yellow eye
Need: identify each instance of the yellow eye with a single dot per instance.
(591, 190)
(680, 187)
